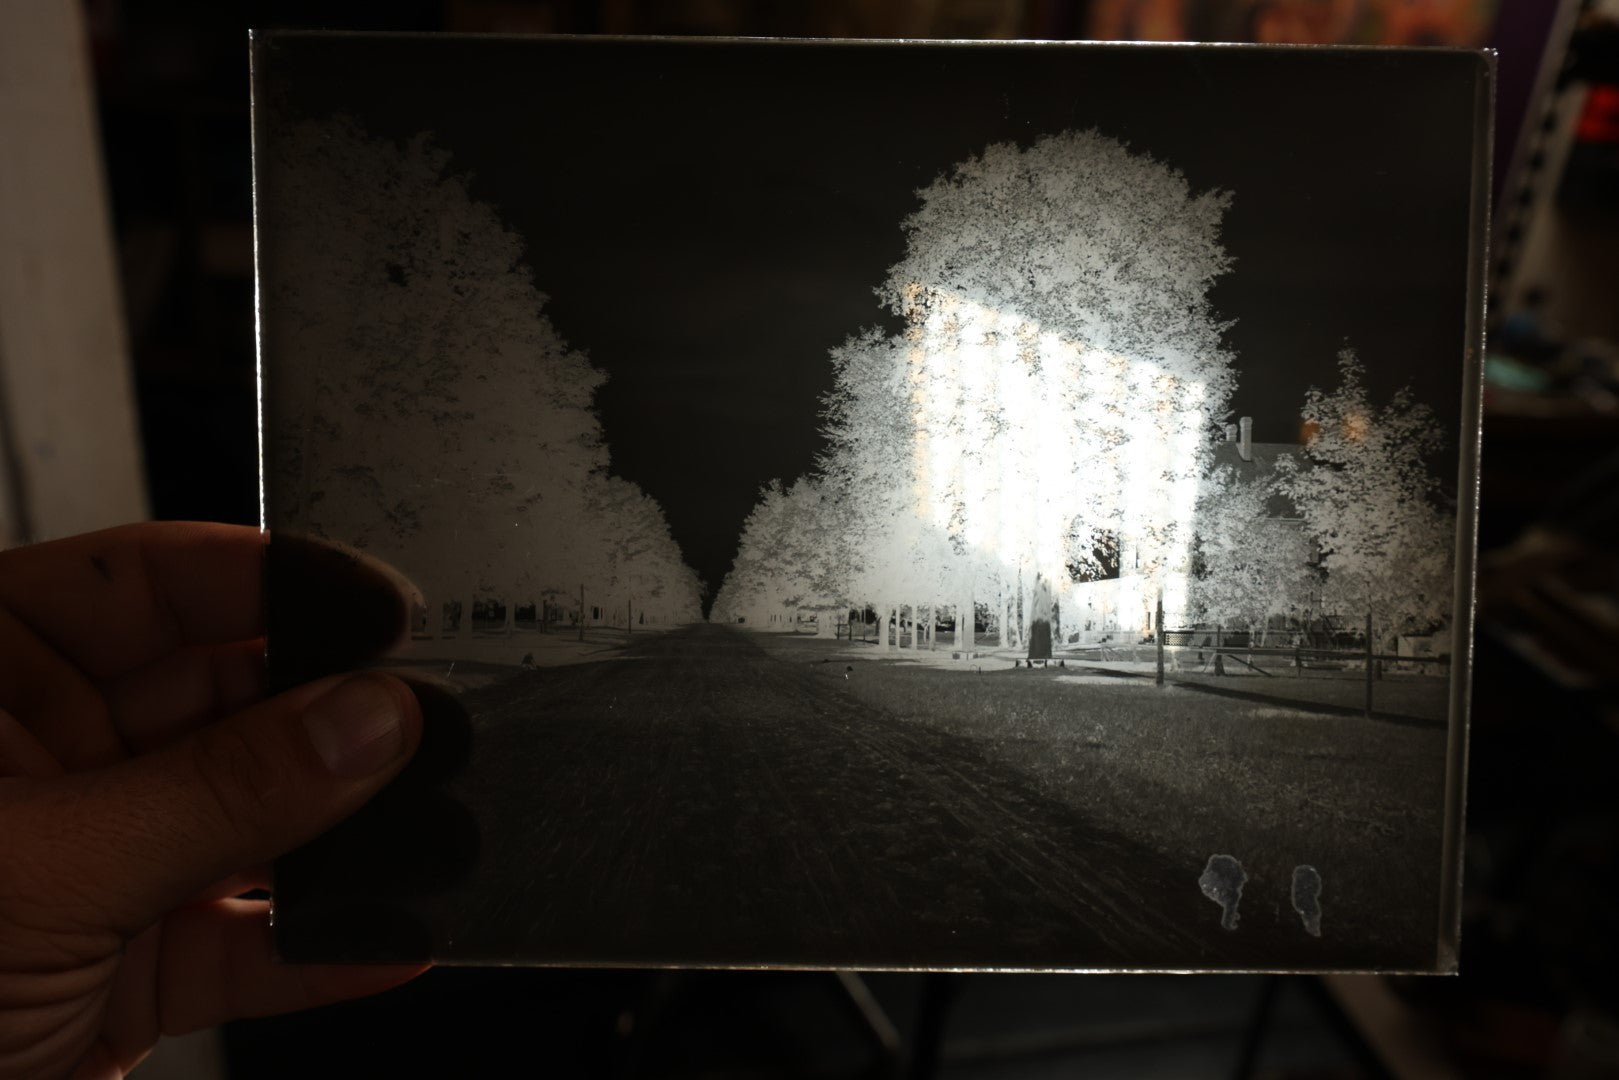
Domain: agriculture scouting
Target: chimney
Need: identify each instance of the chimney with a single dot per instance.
(1245, 440)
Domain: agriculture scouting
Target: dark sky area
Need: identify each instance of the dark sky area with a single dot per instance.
(710, 218)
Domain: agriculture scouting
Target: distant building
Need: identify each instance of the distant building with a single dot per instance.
(1256, 461)
(1121, 606)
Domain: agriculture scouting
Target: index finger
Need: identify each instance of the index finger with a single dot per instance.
(118, 599)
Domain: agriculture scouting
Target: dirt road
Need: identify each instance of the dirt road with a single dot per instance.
(701, 799)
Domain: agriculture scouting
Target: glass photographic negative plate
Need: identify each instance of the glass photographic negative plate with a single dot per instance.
(883, 505)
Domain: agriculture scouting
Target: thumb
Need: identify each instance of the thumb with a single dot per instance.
(130, 842)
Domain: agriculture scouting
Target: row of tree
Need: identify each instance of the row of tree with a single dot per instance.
(1046, 418)
(1371, 506)
(1364, 530)
(422, 407)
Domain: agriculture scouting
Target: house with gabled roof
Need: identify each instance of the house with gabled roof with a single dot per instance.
(1121, 605)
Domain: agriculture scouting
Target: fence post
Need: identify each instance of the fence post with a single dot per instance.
(1368, 665)
(1160, 637)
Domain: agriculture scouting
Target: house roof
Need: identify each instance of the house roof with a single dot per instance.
(1263, 465)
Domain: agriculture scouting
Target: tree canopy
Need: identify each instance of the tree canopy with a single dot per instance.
(1371, 503)
(1051, 393)
(1253, 565)
(420, 403)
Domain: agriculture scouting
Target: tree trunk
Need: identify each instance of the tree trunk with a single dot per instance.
(511, 618)
(1026, 582)
(1369, 664)
(1009, 614)
(1158, 637)
(581, 612)
(882, 627)
(464, 631)
(1000, 616)
(1038, 614)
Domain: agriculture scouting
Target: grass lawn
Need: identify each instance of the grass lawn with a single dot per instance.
(1190, 774)
(464, 663)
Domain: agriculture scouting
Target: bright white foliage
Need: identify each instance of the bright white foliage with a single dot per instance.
(1052, 392)
(420, 404)
(1372, 505)
(1255, 565)
(787, 560)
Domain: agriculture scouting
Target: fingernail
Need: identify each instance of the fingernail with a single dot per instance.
(357, 728)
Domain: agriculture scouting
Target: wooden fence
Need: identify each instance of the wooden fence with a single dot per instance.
(1236, 646)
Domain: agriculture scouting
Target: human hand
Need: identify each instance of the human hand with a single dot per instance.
(144, 785)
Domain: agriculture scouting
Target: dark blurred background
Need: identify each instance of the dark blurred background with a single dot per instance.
(1537, 996)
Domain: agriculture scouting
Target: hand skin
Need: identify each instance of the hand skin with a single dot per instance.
(144, 784)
